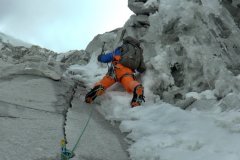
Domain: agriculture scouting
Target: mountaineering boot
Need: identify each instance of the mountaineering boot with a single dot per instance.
(96, 91)
(138, 96)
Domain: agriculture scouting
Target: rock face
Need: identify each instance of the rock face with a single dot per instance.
(233, 6)
(143, 7)
(31, 100)
(34, 60)
(75, 57)
(30, 118)
(34, 95)
(19, 60)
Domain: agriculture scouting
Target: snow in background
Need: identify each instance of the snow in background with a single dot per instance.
(15, 42)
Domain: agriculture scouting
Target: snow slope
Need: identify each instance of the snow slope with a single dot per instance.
(157, 130)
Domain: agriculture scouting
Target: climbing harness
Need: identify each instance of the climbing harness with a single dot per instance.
(67, 154)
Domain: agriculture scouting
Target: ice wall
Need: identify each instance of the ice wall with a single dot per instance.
(189, 46)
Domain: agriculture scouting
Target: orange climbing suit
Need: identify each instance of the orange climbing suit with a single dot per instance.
(123, 75)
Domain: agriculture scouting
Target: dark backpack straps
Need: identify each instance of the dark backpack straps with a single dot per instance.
(124, 49)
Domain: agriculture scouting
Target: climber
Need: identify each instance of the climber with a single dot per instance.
(125, 60)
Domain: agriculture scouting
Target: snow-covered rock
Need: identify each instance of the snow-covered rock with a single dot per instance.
(144, 7)
(189, 46)
(32, 60)
(74, 57)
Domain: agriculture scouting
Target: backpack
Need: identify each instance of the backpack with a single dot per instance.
(131, 56)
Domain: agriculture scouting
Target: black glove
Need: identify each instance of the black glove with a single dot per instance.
(141, 69)
(99, 57)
